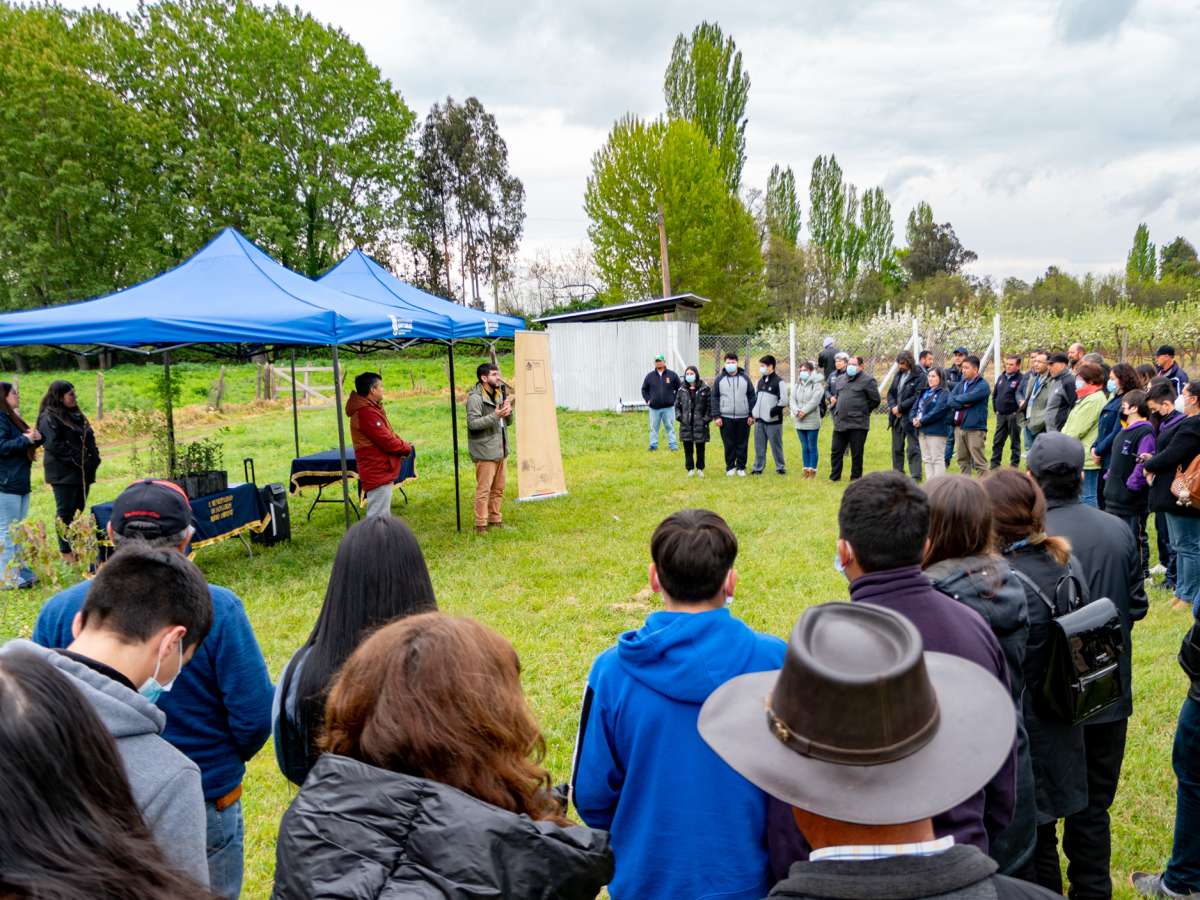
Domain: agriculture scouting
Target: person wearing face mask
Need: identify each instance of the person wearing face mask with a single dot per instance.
(146, 612)
(1122, 378)
(1061, 392)
(1177, 447)
(856, 399)
(692, 412)
(730, 406)
(1083, 423)
(808, 401)
(769, 403)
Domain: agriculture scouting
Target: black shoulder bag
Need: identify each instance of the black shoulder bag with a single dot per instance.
(1082, 676)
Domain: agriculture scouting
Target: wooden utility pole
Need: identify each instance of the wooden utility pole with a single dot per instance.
(662, 253)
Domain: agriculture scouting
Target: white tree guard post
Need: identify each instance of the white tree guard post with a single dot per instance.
(999, 364)
(792, 352)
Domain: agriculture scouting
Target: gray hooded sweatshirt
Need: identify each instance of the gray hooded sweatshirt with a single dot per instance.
(165, 783)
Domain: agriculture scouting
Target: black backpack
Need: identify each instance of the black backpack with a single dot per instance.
(1083, 674)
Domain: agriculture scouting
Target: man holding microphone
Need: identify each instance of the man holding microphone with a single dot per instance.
(489, 414)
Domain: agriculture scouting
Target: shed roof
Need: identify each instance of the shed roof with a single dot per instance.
(638, 309)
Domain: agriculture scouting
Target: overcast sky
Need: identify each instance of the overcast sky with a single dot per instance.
(1044, 130)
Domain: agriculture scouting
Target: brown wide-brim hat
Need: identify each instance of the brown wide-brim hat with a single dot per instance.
(970, 736)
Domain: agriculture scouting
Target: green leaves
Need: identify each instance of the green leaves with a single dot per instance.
(782, 206)
(1141, 264)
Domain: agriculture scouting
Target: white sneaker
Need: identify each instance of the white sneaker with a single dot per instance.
(691, 473)
(699, 473)
(741, 473)
(730, 472)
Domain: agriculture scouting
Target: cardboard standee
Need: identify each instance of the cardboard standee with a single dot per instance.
(539, 453)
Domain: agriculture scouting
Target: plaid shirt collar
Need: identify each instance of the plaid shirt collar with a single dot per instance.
(882, 851)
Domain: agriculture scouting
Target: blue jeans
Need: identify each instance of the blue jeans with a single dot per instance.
(808, 447)
(226, 834)
(13, 508)
(1183, 871)
(1185, 541)
(660, 417)
(1091, 483)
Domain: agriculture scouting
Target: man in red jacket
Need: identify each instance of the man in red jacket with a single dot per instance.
(378, 449)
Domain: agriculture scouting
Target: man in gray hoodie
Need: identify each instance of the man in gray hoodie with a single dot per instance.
(145, 614)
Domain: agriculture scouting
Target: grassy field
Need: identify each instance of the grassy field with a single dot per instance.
(571, 574)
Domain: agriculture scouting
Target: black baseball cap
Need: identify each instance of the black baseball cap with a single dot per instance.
(1055, 453)
(1059, 358)
(961, 351)
(1165, 350)
(151, 509)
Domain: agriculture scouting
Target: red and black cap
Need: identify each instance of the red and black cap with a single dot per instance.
(151, 509)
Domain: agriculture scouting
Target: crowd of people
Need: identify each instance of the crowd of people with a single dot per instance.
(901, 745)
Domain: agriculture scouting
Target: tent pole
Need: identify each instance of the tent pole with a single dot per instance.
(454, 442)
(337, 387)
(295, 411)
(169, 408)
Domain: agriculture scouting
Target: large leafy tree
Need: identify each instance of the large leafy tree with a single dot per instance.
(1178, 260)
(470, 210)
(706, 85)
(933, 248)
(781, 206)
(878, 231)
(827, 220)
(712, 241)
(1141, 266)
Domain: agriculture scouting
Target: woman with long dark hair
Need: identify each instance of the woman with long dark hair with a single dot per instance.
(71, 455)
(934, 423)
(69, 827)
(431, 782)
(1048, 572)
(961, 561)
(692, 413)
(379, 574)
(18, 449)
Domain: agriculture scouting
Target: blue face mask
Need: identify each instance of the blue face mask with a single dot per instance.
(151, 689)
(690, 377)
(837, 564)
(1112, 386)
(852, 370)
(805, 376)
(731, 368)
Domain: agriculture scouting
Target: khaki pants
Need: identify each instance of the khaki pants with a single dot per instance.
(969, 445)
(933, 453)
(489, 491)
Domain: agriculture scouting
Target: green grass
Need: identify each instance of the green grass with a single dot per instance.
(571, 574)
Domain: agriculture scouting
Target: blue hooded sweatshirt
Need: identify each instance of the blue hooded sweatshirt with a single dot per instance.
(682, 822)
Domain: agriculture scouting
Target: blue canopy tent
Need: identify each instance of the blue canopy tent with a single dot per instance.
(231, 293)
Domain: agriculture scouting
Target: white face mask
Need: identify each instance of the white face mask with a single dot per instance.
(731, 368)
(1180, 405)
(1080, 384)
(762, 370)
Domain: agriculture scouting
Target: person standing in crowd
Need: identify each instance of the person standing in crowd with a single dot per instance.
(808, 406)
(489, 416)
(827, 356)
(146, 612)
(1007, 406)
(1181, 877)
(1034, 395)
(853, 404)
(969, 404)
(934, 424)
(730, 408)
(18, 449)
(379, 575)
(961, 562)
(1177, 448)
(430, 783)
(906, 389)
(883, 524)
(693, 411)
(954, 377)
(658, 392)
(1061, 390)
(1075, 355)
(639, 761)
(1126, 491)
(70, 457)
(69, 826)
(1045, 566)
(378, 450)
(219, 712)
(1111, 562)
(925, 361)
(834, 381)
(1164, 357)
(1148, 372)
(770, 403)
(1083, 423)
(1122, 378)
(1160, 397)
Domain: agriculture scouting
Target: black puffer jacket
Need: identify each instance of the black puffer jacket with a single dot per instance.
(71, 455)
(15, 458)
(1178, 445)
(857, 398)
(356, 831)
(693, 413)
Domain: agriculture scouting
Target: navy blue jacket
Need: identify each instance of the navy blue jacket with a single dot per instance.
(1176, 376)
(682, 823)
(1107, 430)
(219, 711)
(1007, 392)
(14, 459)
(934, 411)
(971, 399)
(659, 390)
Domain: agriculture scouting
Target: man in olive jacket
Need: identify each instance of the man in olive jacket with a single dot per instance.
(489, 415)
(857, 397)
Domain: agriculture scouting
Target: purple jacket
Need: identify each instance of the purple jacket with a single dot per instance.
(1137, 479)
(946, 627)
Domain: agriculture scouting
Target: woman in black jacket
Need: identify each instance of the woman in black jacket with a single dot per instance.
(961, 563)
(1046, 564)
(431, 783)
(1177, 447)
(18, 448)
(71, 456)
(693, 414)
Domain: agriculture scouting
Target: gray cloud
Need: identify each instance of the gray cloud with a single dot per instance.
(1091, 20)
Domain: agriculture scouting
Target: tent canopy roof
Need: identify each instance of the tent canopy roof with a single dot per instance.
(360, 275)
(229, 292)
